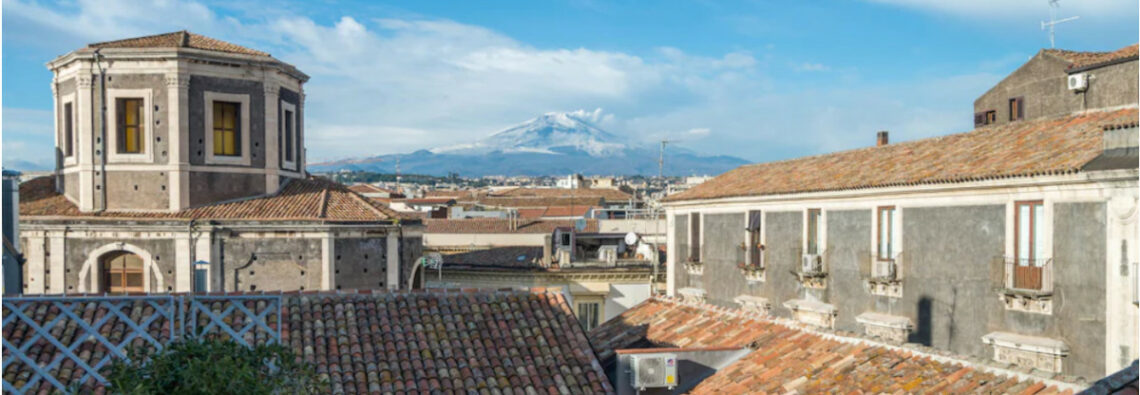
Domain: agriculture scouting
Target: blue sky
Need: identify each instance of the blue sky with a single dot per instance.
(762, 80)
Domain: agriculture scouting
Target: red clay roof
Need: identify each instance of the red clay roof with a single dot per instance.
(501, 225)
(538, 201)
(787, 359)
(1028, 148)
(554, 211)
(504, 341)
(312, 199)
(363, 188)
(607, 193)
(1086, 60)
(179, 39)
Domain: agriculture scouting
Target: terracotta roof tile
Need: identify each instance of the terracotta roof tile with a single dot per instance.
(501, 225)
(1087, 60)
(447, 342)
(1051, 146)
(312, 199)
(555, 211)
(606, 193)
(179, 39)
(786, 358)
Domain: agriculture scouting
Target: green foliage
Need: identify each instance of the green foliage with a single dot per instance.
(196, 366)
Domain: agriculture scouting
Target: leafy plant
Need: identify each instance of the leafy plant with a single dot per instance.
(211, 366)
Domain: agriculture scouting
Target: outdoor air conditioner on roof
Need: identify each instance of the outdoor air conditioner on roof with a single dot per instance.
(1078, 82)
(653, 370)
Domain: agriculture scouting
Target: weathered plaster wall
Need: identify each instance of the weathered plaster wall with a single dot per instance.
(206, 187)
(681, 230)
(848, 250)
(411, 248)
(137, 190)
(282, 264)
(360, 263)
(784, 248)
(721, 254)
(77, 251)
(1043, 82)
(1079, 308)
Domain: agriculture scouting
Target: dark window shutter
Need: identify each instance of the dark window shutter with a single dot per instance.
(1021, 108)
(754, 218)
(979, 119)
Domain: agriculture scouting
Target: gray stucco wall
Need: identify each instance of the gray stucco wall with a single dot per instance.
(71, 186)
(681, 236)
(361, 263)
(1079, 278)
(1114, 86)
(137, 190)
(63, 88)
(784, 247)
(256, 133)
(848, 249)
(281, 264)
(721, 254)
(411, 248)
(208, 188)
(948, 291)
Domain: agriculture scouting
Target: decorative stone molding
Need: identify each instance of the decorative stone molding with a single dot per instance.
(813, 312)
(752, 273)
(1040, 353)
(888, 288)
(178, 81)
(695, 268)
(692, 295)
(890, 328)
(1037, 304)
(814, 282)
(84, 81)
(754, 304)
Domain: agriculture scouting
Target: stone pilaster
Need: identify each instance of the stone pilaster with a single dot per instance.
(272, 135)
(178, 127)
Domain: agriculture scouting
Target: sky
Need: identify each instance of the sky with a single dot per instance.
(761, 80)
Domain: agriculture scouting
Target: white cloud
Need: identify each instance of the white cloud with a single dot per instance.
(395, 85)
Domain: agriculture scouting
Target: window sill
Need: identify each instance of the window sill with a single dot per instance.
(695, 268)
(227, 160)
(1029, 301)
(130, 158)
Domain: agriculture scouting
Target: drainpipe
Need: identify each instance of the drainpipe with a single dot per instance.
(102, 129)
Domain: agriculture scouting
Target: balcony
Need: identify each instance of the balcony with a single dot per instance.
(1027, 284)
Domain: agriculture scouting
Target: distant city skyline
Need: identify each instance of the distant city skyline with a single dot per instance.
(745, 79)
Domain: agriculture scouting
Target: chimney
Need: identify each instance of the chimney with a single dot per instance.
(881, 138)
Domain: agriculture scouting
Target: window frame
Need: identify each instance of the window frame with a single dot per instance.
(892, 249)
(598, 313)
(147, 121)
(990, 117)
(1034, 236)
(202, 267)
(236, 131)
(243, 123)
(107, 272)
(1018, 104)
(696, 237)
(813, 233)
(285, 136)
(68, 145)
(754, 239)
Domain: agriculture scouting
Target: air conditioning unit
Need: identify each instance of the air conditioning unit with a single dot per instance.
(884, 269)
(653, 371)
(607, 254)
(1078, 82)
(811, 264)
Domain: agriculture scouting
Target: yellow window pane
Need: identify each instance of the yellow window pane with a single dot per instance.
(131, 137)
(217, 115)
(218, 136)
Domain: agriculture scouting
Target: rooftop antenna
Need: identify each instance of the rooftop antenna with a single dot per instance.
(1053, 21)
(398, 174)
(661, 160)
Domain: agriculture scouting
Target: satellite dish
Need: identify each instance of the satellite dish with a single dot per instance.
(631, 238)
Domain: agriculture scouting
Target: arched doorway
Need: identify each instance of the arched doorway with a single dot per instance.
(121, 272)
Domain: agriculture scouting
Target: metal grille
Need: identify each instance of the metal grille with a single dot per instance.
(65, 343)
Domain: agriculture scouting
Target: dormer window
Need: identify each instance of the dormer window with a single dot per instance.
(227, 133)
(1016, 109)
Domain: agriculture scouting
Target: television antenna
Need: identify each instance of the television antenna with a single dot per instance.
(1053, 21)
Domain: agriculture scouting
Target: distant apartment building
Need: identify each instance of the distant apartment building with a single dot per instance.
(1015, 242)
(597, 264)
(180, 166)
(1057, 82)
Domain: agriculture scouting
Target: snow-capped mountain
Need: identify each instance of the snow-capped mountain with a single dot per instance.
(551, 144)
(551, 133)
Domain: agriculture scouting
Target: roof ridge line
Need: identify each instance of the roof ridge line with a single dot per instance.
(323, 209)
(360, 198)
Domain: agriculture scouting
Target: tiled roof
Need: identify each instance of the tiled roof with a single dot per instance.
(538, 201)
(501, 225)
(1124, 382)
(363, 188)
(554, 211)
(487, 341)
(179, 39)
(513, 257)
(1087, 60)
(1028, 148)
(312, 199)
(786, 358)
(607, 193)
(430, 201)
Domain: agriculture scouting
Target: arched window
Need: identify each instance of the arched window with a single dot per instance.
(122, 272)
